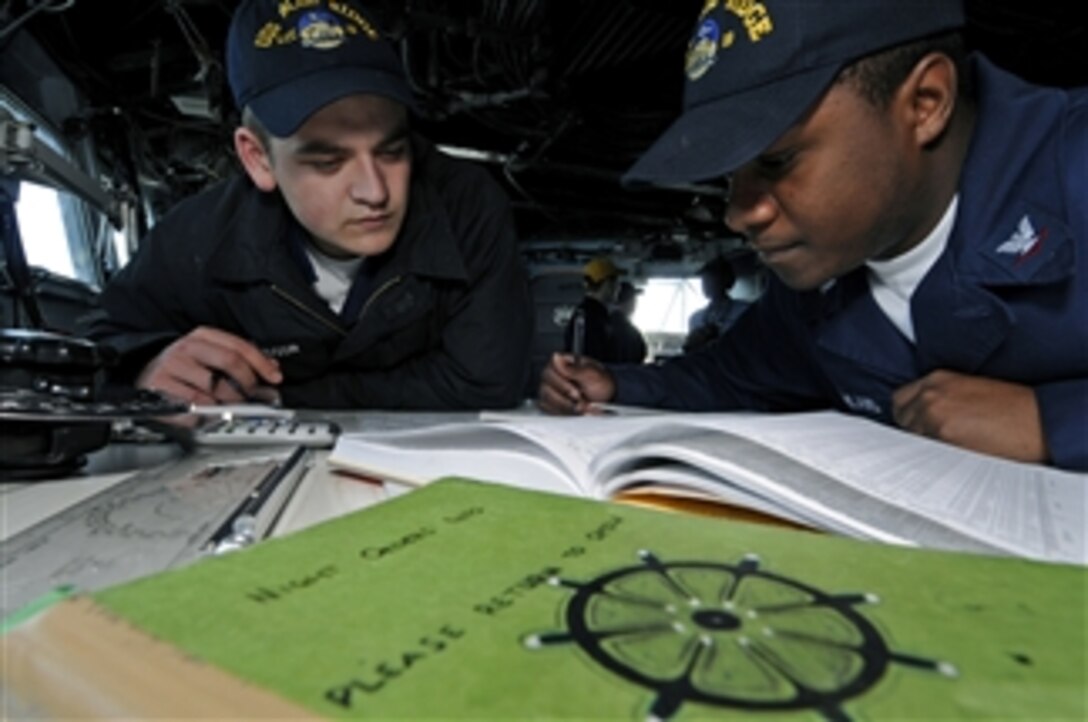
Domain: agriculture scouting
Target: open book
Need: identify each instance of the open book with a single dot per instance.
(825, 470)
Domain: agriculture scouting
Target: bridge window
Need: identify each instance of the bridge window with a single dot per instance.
(56, 227)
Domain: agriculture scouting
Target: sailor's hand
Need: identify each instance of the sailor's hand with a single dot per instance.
(209, 366)
(572, 387)
(987, 415)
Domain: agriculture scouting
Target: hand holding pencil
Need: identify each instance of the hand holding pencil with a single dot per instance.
(210, 366)
(572, 385)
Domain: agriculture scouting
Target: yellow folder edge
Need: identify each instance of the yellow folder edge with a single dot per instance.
(138, 677)
(702, 506)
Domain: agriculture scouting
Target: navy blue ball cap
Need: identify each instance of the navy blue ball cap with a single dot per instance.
(287, 59)
(754, 68)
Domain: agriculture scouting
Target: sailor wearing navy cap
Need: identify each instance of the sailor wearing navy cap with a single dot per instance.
(391, 270)
(922, 211)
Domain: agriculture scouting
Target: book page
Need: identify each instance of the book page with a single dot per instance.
(720, 463)
(855, 476)
(488, 452)
(893, 482)
(545, 453)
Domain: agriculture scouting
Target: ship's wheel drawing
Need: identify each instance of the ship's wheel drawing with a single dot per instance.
(729, 636)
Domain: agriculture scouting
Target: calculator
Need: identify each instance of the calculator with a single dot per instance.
(267, 431)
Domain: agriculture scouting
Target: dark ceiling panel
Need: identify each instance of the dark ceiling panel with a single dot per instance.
(565, 93)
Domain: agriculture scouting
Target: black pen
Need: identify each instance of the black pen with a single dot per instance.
(578, 336)
(229, 380)
(246, 525)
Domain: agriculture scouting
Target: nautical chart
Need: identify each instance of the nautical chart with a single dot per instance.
(157, 519)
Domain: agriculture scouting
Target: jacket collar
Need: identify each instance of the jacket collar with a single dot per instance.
(427, 244)
(253, 244)
(853, 328)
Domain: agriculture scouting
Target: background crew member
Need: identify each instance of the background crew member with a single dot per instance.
(629, 340)
(721, 311)
(594, 334)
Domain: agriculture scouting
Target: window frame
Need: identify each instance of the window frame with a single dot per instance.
(84, 226)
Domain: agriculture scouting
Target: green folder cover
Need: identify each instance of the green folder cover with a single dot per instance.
(469, 600)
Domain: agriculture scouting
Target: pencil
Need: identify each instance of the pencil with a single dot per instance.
(578, 336)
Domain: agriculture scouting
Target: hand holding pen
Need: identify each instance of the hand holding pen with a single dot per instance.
(570, 385)
(208, 366)
(561, 391)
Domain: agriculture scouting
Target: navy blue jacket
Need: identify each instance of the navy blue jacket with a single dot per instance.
(1008, 299)
(446, 324)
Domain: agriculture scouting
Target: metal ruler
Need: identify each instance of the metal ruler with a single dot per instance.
(157, 519)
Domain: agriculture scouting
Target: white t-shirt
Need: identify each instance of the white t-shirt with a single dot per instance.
(334, 276)
(894, 281)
